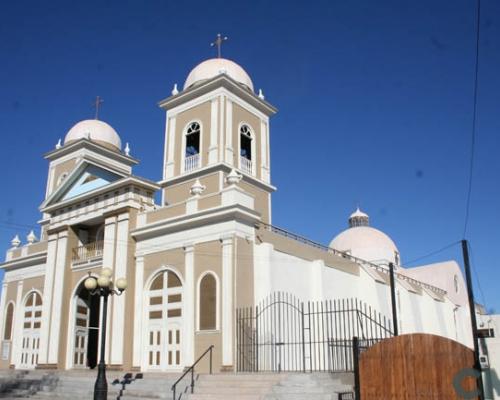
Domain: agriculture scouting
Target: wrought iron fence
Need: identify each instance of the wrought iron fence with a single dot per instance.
(283, 333)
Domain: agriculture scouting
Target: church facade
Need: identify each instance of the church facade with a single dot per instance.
(208, 249)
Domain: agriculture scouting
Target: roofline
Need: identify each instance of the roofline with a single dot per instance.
(112, 186)
(86, 143)
(213, 83)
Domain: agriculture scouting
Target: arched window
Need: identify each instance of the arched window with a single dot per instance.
(9, 315)
(31, 330)
(246, 148)
(208, 303)
(192, 152)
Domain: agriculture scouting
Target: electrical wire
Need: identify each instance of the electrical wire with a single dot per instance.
(432, 253)
(474, 119)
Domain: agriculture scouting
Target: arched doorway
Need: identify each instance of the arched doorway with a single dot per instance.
(164, 322)
(85, 329)
(32, 318)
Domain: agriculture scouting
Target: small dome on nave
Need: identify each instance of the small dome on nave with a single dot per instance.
(365, 242)
(216, 66)
(95, 130)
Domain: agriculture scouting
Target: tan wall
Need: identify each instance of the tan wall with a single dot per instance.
(66, 166)
(208, 257)
(244, 270)
(261, 199)
(31, 284)
(168, 258)
(175, 210)
(214, 200)
(241, 115)
(37, 247)
(200, 113)
(181, 192)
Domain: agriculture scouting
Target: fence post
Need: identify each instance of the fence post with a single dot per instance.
(355, 350)
(303, 337)
(256, 339)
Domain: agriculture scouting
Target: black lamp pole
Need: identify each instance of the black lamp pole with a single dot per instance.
(101, 384)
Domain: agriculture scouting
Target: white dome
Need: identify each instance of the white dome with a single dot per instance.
(216, 66)
(96, 130)
(367, 243)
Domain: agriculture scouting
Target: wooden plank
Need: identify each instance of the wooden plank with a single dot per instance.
(415, 366)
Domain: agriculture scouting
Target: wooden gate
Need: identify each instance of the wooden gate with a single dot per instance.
(415, 366)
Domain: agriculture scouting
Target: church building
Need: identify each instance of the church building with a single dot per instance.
(194, 261)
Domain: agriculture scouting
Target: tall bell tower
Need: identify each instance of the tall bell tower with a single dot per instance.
(217, 123)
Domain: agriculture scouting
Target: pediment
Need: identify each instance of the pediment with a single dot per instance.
(85, 178)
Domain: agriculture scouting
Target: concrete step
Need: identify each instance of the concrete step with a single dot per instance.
(198, 396)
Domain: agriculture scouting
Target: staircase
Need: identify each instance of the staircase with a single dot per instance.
(79, 385)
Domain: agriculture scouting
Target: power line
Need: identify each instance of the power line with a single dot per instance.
(432, 253)
(474, 118)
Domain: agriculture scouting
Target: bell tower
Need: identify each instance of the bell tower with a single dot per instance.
(217, 123)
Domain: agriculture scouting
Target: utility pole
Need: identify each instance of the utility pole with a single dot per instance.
(393, 300)
(472, 307)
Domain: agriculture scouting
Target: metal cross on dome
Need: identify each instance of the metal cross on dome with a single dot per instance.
(97, 103)
(218, 42)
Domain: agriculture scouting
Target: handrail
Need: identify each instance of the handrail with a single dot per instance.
(379, 268)
(191, 368)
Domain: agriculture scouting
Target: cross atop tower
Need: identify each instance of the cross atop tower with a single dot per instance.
(218, 42)
(97, 103)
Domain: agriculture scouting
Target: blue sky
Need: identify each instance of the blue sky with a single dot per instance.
(374, 99)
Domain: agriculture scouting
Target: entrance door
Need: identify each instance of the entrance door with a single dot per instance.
(85, 329)
(31, 331)
(164, 316)
(81, 334)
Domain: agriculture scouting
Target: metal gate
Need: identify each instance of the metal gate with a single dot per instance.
(283, 333)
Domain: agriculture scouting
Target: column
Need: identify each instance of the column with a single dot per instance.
(229, 132)
(138, 311)
(108, 261)
(227, 301)
(120, 271)
(169, 168)
(189, 309)
(214, 115)
(57, 297)
(18, 326)
(47, 299)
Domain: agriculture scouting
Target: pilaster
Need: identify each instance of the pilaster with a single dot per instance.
(214, 129)
(227, 302)
(2, 315)
(120, 271)
(18, 325)
(47, 299)
(169, 167)
(138, 314)
(229, 158)
(57, 297)
(189, 314)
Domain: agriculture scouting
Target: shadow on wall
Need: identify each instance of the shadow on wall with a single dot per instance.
(491, 384)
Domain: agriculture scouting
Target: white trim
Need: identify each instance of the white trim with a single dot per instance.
(217, 301)
(170, 161)
(227, 300)
(214, 126)
(120, 271)
(18, 326)
(183, 146)
(229, 153)
(188, 306)
(57, 298)
(138, 297)
(165, 146)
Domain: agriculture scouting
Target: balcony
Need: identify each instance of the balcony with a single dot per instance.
(246, 165)
(87, 252)
(191, 163)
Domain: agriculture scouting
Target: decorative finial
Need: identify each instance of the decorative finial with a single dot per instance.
(31, 238)
(197, 188)
(261, 94)
(233, 177)
(97, 104)
(359, 218)
(127, 149)
(175, 90)
(58, 144)
(218, 42)
(15, 242)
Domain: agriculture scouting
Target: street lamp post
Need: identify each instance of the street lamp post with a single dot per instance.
(103, 286)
